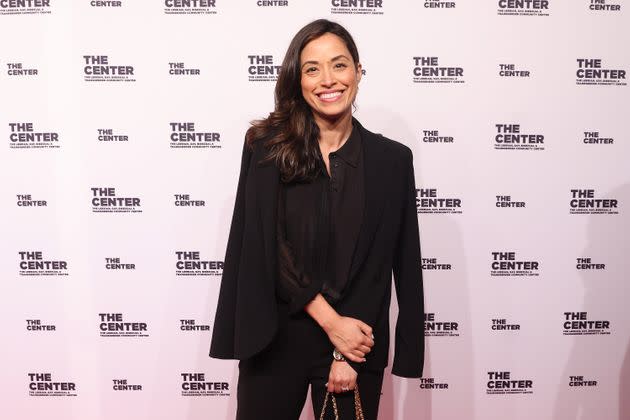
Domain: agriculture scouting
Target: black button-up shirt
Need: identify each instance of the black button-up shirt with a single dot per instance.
(318, 227)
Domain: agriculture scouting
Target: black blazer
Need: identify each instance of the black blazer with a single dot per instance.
(247, 315)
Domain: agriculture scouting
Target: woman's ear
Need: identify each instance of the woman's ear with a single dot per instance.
(359, 72)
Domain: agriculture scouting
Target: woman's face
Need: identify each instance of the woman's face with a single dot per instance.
(329, 77)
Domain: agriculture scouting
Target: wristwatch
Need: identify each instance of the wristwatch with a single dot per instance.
(338, 356)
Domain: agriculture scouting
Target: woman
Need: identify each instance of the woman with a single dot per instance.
(325, 211)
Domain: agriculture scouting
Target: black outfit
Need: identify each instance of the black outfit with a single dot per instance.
(317, 229)
(318, 226)
(255, 324)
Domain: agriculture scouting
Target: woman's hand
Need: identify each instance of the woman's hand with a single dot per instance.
(352, 337)
(342, 377)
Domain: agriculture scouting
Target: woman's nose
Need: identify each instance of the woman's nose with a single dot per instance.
(327, 77)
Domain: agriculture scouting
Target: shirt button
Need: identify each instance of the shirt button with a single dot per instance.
(336, 165)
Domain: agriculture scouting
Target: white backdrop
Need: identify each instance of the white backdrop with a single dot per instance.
(151, 260)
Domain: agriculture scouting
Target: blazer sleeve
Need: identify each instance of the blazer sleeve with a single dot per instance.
(409, 339)
(222, 344)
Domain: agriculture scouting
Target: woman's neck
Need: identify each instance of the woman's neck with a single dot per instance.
(334, 133)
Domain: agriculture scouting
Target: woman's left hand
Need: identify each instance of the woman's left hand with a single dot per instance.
(342, 377)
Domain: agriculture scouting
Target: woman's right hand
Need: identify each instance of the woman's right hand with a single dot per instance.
(352, 337)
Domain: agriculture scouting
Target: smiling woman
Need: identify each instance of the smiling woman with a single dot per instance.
(329, 84)
(314, 94)
(325, 211)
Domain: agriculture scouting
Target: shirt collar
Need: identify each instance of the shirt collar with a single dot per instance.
(350, 151)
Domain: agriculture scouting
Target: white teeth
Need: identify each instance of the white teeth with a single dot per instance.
(329, 95)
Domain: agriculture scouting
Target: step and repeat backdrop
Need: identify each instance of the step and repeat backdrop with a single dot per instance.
(122, 124)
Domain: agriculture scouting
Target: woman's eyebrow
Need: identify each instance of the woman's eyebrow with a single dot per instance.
(333, 59)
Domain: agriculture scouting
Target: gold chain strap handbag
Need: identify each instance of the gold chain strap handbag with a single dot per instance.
(358, 410)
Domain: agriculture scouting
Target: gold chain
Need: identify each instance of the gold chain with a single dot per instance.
(358, 409)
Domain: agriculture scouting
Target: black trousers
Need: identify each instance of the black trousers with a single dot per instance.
(273, 384)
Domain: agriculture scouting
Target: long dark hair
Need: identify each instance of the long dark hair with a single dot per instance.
(290, 130)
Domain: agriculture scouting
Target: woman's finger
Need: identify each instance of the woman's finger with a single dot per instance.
(365, 328)
(348, 385)
(338, 387)
(353, 357)
(330, 386)
(358, 353)
(367, 341)
(365, 349)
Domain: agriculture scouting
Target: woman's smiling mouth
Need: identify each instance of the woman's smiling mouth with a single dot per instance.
(330, 96)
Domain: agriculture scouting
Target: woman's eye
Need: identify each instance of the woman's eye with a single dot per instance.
(340, 65)
(311, 69)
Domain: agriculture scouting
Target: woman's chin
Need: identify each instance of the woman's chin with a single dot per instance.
(332, 116)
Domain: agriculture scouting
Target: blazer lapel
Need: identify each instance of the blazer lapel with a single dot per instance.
(373, 166)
